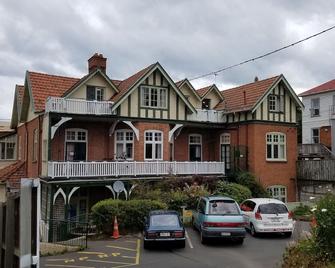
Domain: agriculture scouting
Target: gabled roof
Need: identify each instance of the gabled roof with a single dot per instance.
(180, 83)
(12, 174)
(17, 104)
(325, 87)
(202, 92)
(234, 97)
(43, 85)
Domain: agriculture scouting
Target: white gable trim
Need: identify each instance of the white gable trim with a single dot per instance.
(188, 83)
(268, 91)
(216, 90)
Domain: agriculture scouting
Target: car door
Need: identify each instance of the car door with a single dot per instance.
(247, 208)
(200, 213)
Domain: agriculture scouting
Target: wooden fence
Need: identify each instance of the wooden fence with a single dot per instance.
(316, 170)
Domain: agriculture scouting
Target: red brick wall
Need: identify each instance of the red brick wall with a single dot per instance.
(326, 136)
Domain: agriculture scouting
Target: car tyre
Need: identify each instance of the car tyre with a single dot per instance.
(146, 244)
(203, 239)
(181, 244)
(253, 231)
(288, 234)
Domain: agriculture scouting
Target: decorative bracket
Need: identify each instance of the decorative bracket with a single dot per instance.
(71, 193)
(58, 124)
(59, 191)
(110, 187)
(173, 130)
(136, 131)
(112, 128)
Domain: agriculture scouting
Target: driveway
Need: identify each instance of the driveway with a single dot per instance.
(265, 251)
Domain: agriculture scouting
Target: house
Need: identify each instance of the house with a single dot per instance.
(318, 115)
(80, 135)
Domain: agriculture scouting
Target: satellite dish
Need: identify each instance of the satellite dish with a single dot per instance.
(118, 186)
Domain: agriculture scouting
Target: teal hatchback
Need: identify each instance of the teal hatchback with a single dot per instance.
(219, 217)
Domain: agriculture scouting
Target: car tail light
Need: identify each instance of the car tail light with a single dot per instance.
(152, 234)
(290, 215)
(178, 234)
(224, 224)
(258, 216)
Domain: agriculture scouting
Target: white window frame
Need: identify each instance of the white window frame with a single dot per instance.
(5, 142)
(312, 135)
(275, 191)
(153, 142)
(161, 102)
(20, 148)
(279, 143)
(35, 145)
(225, 138)
(194, 143)
(124, 143)
(76, 130)
(315, 107)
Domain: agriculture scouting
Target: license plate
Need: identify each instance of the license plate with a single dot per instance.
(225, 234)
(164, 234)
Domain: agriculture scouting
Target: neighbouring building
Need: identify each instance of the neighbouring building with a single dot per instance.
(318, 115)
(79, 135)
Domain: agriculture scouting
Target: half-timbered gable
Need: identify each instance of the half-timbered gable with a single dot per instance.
(190, 93)
(210, 97)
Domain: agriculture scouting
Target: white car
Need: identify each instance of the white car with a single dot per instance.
(267, 215)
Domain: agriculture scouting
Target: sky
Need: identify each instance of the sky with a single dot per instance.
(188, 38)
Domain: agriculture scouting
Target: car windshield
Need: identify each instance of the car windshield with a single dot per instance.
(219, 207)
(272, 208)
(164, 220)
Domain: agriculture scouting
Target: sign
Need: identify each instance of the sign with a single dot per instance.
(118, 186)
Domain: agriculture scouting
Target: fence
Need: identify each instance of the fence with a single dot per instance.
(64, 232)
(316, 170)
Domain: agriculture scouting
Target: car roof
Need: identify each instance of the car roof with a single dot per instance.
(259, 201)
(218, 197)
(163, 212)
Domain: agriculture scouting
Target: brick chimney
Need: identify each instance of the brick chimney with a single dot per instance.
(97, 61)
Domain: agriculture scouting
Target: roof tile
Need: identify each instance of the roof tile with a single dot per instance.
(325, 87)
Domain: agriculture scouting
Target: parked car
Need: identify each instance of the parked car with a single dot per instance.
(163, 226)
(267, 215)
(219, 217)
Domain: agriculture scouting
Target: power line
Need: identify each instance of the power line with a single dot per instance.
(262, 56)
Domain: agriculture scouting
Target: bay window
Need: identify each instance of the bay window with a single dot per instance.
(153, 145)
(275, 146)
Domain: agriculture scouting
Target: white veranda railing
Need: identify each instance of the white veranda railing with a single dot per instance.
(211, 116)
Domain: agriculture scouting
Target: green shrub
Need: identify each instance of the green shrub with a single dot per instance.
(325, 229)
(130, 214)
(233, 190)
(248, 180)
(193, 193)
(302, 212)
(176, 199)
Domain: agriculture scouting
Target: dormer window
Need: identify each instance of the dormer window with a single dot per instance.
(206, 104)
(276, 103)
(154, 97)
(94, 93)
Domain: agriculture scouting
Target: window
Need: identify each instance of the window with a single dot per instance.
(315, 107)
(225, 138)
(35, 144)
(153, 143)
(20, 147)
(202, 206)
(195, 144)
(277, 192)
(7, 148)
(276, 103)
(75, 144)
(94, 93)
(206, 104)
(248, 206)
(154, 97)
(275, 146)
(225, 150)
(223, 207)
(124, 144)
(315, 135)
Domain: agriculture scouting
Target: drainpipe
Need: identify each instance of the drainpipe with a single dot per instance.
(26, 149)
(40, 146)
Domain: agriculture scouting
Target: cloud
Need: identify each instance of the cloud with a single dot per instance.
(187, 37)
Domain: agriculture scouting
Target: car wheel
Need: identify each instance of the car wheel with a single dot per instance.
(253, 231)
(146, 244)
(193, 224)
(202, 238)
(181, 244)
(288, 234)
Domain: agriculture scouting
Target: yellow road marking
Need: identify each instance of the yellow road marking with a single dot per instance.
(83, 258)
(116, 254)
(68, 266)
(130, 241)
(90, 252)
(130, 249)
(101, 256)
(57, 259)
(115, 262)
(129, 257)
(137, 262)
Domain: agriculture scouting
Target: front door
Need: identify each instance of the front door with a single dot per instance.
(226, 157)
(75, 151)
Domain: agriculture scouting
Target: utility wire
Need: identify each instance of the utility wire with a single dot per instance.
(262, 56)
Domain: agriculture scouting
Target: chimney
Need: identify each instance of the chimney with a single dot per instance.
(256, 78)
(244, 97)
(97, 61)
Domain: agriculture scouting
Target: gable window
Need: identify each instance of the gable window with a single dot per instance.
(278, 192)
(276, 103)
(153, 145)
(206, 104)
(275, 146)
(35, 144)
(154, 97)
(94, 93)
(124, 144)
(75, 144)
(195, 147)
(7, 148)
(315, 135)
(315, 107)
(225, 150)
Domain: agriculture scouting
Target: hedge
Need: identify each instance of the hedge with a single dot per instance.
(233, 190)
(248, 180)
(130, 214)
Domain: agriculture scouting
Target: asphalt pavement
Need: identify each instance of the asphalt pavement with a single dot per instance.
(265, 251)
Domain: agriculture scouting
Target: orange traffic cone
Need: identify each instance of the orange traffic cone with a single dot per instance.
(116, 233)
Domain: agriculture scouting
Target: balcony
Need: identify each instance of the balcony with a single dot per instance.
(78, 106)
(132, 169)
(211, 116)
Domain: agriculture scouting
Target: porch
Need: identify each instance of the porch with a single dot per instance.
(67, 169)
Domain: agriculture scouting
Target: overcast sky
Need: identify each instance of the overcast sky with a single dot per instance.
(188, 38)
